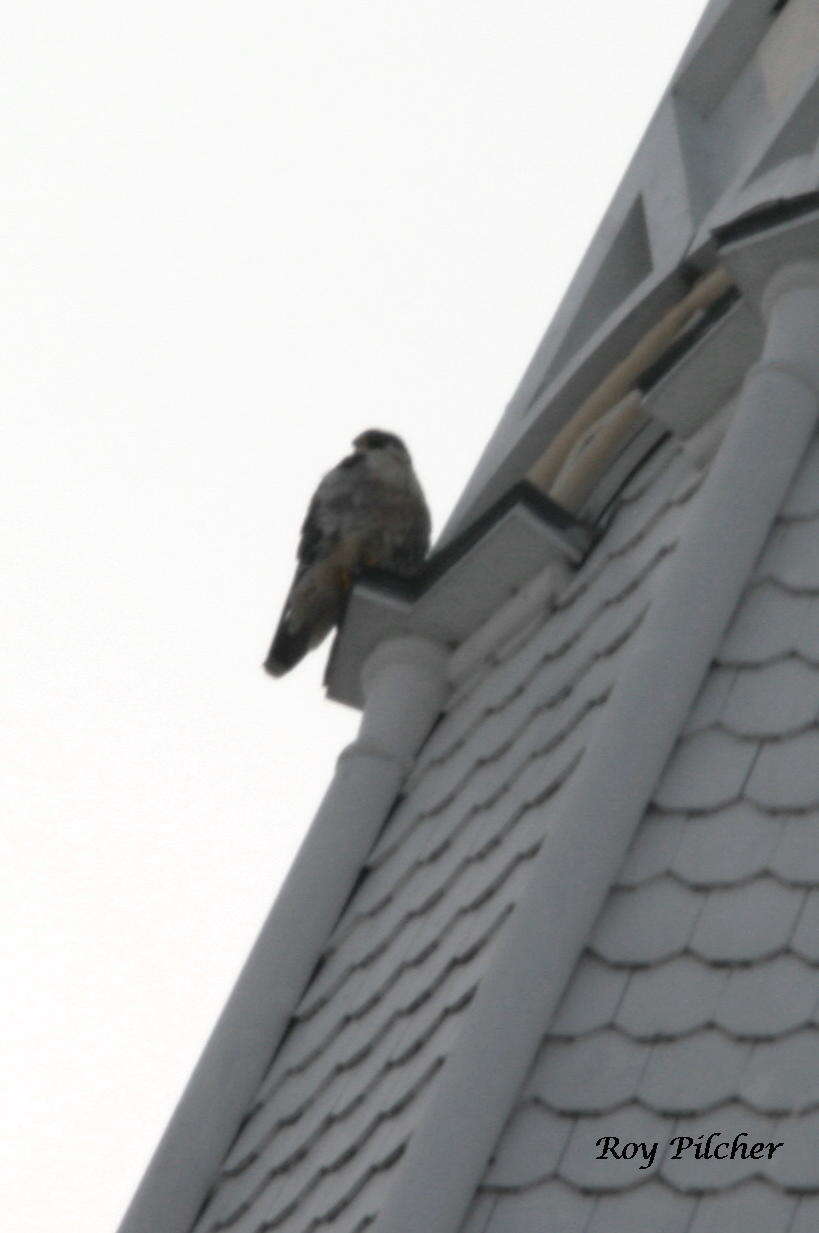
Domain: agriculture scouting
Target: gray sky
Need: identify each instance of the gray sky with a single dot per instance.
(235, 235)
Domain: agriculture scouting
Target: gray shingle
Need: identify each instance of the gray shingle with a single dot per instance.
(807, 1215)
(591, 998)
(806, 936)
(408, 927)
(531, 1146)
(796, 858)
(650, 1208)
(632, 1124)
(727, 846)
(664, 482)
(693, 1074)
(769, 998)
(672, 998)
(770, 623)
(590, 1074)
(792, 556)
(783, 1075)
(773, 700)
(648, 924)
(796, 1165)
(653, 849)
(746, 922)
(754, 1208)
(706, 770)
(786, 774)
(553, 1206)
(479, 1214)
(711, 699)
(803, 499)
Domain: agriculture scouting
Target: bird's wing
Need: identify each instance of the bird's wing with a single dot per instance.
(314, 601)
(323, 524)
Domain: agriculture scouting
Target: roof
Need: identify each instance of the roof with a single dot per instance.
(735, 130)
(688, 1003)
(696, 1005)
(348, 1086)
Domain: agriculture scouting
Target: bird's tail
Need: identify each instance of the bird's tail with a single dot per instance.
(312, 609)
(287, 648)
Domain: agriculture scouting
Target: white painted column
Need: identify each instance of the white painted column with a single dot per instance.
(405, 686)
(596, 817)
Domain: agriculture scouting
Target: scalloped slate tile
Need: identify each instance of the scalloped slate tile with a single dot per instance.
(711, 700)
(746, 922)
(770, 623)
(727, 846)
(807, 1215)
(783, 1075)
(653, 850)
(648, 924)
(553, 1205)
(755, 1208)
(796, 1165)
(479, 1214)
(693, 1074)
(806, 936)
(530, 1147)
(672, 998)
(773, 700)
(792, 556)
(796, 858)
(590, 1074)
(802, 500)
(650, 1208)
(591, 998)
(808, 645)
(786, 774)
(769, 998)
(706, 770)
(632, 1124)
(661, 482)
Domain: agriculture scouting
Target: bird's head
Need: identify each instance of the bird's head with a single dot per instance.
(382, 444)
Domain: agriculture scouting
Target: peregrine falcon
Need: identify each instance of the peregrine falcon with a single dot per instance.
(368, 512)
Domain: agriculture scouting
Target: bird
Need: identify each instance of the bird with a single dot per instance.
(369, 512)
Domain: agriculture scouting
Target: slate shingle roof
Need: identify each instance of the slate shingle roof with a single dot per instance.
(696, 1005)
(347, 1086)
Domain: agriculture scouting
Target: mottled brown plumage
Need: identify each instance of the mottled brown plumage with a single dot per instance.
(368, 512)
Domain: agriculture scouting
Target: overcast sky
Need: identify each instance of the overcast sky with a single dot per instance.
(235, 235)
